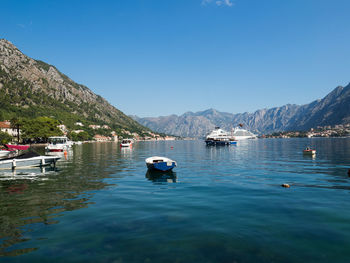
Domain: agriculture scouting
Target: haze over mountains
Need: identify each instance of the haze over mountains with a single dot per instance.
(331, 110)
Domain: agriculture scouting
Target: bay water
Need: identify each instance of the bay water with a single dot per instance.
(221, 204)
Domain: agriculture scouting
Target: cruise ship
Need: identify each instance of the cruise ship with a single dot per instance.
(220, 137)
(242, 134)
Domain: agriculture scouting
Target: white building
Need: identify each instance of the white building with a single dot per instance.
(5, 126)
(78, 131)
(94, 127)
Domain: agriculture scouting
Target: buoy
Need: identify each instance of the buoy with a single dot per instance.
(285, 185)
(172, 147)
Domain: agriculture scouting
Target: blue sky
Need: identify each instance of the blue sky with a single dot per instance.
(161, 57)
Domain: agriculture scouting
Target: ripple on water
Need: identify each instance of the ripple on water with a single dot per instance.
(221, 204)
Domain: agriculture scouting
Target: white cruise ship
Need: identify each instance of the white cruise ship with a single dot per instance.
(242, 134)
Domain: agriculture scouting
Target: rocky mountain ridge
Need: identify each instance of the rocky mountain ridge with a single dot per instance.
(332, 109)
(31, 88)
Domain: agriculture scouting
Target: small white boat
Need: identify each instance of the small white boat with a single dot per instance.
(309, 151)
(160, 163)
(4, 153)
(27, 160)
(126, 143)
(58, 144)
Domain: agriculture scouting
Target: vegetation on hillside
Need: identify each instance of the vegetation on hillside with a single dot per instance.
(39, 129)
(5, 137)
(18, 99)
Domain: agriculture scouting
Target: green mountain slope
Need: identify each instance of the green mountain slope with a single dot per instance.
(32, 88)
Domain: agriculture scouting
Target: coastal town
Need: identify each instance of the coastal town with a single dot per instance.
(104, 133)
(341, 130)
(101, 133)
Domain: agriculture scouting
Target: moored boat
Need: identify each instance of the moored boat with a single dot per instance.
(160, 163)
(309, 151)
(58, 144)
(17, 147)
(4, 153)
(126, 143)
(26, 160)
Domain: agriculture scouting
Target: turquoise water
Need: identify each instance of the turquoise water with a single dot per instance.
(221, 204)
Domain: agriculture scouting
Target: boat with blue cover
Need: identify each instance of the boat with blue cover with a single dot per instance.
(158, 163)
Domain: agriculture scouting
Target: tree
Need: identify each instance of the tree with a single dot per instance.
(15, 125)
(83, 136)
(2, 118)
(5, 137)
(40, 129)
(73, 136)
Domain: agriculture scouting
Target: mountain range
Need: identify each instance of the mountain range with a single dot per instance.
(33, 88)
(331, 110)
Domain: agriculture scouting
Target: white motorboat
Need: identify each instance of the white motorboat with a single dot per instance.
(58, 144)
(4, 153)
(27, 160)
(160, 163)
(126, 143)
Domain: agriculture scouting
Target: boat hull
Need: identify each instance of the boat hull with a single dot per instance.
(161, 166)
(55, 150)
(309, 152)
(125, 145)
(4, 153)
(38, 161)
(219, 143)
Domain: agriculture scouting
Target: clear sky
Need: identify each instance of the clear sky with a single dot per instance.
(161, 57)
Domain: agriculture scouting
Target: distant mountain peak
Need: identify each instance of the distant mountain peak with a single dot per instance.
(332, 109)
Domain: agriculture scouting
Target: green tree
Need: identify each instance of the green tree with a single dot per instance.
(5, 137)
(15, 124)
(83, 136)
(40, 128)
(2, 118)
(73, 136)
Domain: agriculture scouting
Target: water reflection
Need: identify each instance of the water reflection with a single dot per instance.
(309, 156)
(33, 197)
(161, 177)
(33, 173)
(126, 152)
(123, 225)
(68, 154)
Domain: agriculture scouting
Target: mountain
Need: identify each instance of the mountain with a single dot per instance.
(332, 109)
(32, 88)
